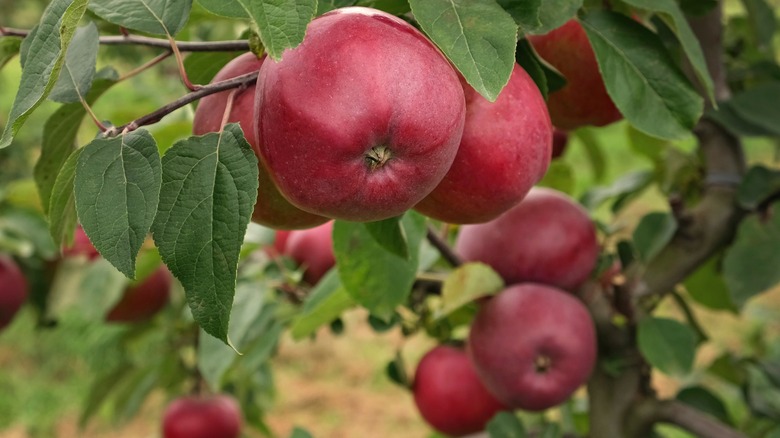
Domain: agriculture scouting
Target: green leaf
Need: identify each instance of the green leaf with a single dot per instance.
(762, 397)
(505, 425)
(390, 235)
(758, 185)
(559, 176)
(705, 401)
(478, 36)
(45, 56)
(554, 13)
(650, 147)
(324, 304)
(669, 11)
(641, 78)
(630, 184)
(652, 234)
(78, 71)
(395, 7)
(201, 67)
(708, 287)
(62, 203)
(524, 12)
(280, 24)
(750, 266)
(225, 8)
(758, 106)
(375, 278)
(87, 289)
(763, 21)
(728, 117)
(667, 345)
(594, 150)
(209, 187)
(29, 229)
(157, 17)
(9, 47)
(467, 283)
(396, 371)
(300, 433)
(117, 188)
(546, 77)
(697, 7)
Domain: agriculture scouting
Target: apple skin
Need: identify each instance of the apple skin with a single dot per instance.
(202, 417)
(81, 246)
(560, 141)
(504, 151)
(533, 346)
(13, 290)
(143, 300)
(449, 394)
(547, 238)
(271, 209)
(584, 99)
(362, 120)
(312, 249)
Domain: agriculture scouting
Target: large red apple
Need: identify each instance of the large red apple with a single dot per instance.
(312, 249)
(584, 99)
(202, 417)
(13, 290)
(81, 246)
(504, 151)
(533, 346)
(449, 394)
(362, 120)
(144, 299)
(547, 238)
(271, 209)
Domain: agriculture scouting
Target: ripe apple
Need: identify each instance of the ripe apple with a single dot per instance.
(202, 417)
(312, 249)
(560, 140)
(533, 346)
(13, 290)
(584, 99)
(547, 238)
(81, 246)
(504, 151)
(144, 299)
(449, 394)
(362, 120)
(271, 209)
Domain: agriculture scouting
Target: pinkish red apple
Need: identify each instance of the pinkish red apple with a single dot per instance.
(144, 299)
(81, 246)
(216, 416)
(13, 290)
(312, 249)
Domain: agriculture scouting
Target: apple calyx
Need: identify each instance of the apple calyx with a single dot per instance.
(542, 364)
(377, 156)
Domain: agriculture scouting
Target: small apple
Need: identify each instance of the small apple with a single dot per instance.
(533, 346)
(81, 246)
(144, 299)
(271, 209)
(13, 290)
(504, 151)
(449, 394)
(312, 249)
(362, 120)
(202, 417)
(547, 238)
(584, 99)
(560, 141)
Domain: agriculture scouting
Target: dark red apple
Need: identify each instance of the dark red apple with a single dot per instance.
(202, 417)
(560, 140)
(362, 120)
(13, 290)
(547, 238)
(584, 99)
(144, 299)
(504, 151)
(271, 209)
(81, 246)
(312, 249)
(533, 346)
(449, 394)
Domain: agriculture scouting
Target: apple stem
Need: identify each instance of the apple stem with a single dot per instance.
(180, 63)
(444, 248)
(542, 364)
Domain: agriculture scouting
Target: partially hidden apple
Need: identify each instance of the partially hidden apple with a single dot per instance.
(584, 99)
(547, 238)
(504, 151)
(81, 246)
(13, 290)
(271, 208)
(560, 141)
(313, 250)
(216, 416)
(362, 120)
(449, 394)
(144, 299)
(533, 346)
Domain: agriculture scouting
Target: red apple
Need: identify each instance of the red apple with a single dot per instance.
(504, 151)
(533, 346)
(81, 246)
(202, 417)
(312, 249)
(144, 299)
(13, 290)
(271, 209)
(560, 140)
(450, 396)
(362, 120)
(584, 99)
(547, 238)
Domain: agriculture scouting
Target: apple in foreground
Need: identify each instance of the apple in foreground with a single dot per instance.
(271, 209)
(533, 346)
(312, 249)
(547, 238)
(449, 394)
(362, 120)
(81, 246)
(504, 151)
(13, 290)
(202, 417)
(584, 99)
(144, 299)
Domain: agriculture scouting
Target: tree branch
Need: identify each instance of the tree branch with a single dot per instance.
(674, 412)
(444, 249)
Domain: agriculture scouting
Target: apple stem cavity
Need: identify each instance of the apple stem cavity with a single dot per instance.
(542, 364)
(377, 156)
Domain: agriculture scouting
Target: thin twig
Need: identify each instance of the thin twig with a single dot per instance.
(156, 60)
(180, 64)
(444, 249)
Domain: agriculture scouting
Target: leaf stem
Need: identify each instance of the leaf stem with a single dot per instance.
(180, 63)
(444, 248)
